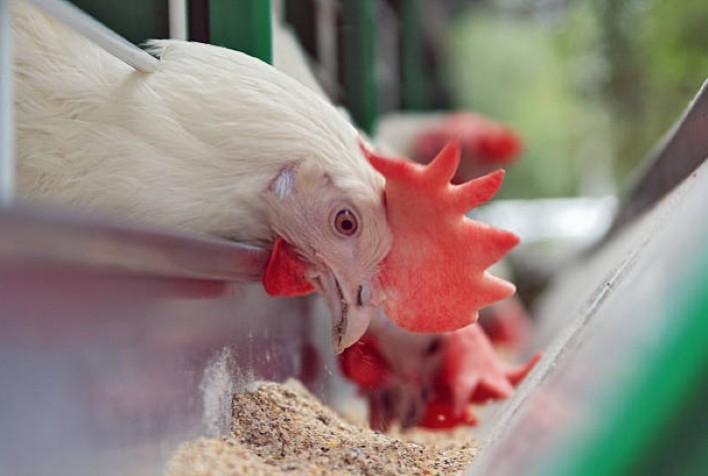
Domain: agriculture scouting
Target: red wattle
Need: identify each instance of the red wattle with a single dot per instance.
(285, 272)
(364, 364)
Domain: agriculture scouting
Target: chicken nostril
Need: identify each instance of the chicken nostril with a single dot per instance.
(364, 295)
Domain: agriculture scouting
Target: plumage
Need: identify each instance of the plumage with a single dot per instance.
(193, 145)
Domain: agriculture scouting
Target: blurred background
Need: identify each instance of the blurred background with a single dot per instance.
(591, 85)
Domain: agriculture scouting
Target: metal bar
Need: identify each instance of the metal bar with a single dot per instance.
(29, 237)
(7, 130)
(359, 72)
(242, 25)
(178, 19)
(98, 33)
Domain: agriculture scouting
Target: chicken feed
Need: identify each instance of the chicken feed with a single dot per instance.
(283, 429)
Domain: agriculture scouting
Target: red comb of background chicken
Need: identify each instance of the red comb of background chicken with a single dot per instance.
(487, 139)
(484, 142)
(437, 263)
(472, 372)
(499, 146)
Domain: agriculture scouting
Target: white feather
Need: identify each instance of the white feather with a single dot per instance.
(192, 145)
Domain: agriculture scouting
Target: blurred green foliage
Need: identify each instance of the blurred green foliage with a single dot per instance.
(591, 85)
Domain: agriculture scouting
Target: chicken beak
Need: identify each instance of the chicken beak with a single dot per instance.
(352, 309)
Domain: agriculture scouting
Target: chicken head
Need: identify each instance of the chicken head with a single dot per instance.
(330, 238)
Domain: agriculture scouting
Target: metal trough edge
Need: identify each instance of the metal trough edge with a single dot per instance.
(33, 235)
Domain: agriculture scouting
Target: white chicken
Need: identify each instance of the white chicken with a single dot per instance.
(222, 143)
(214, 141)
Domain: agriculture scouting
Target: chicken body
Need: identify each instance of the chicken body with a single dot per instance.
(214, 141)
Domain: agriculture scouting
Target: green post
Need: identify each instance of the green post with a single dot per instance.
(242, 25)
(358, 38)
(413, 77)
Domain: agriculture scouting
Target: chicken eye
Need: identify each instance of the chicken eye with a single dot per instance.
(345, 222)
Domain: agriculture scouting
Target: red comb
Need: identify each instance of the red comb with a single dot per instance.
(437, 264)
(472, 373)
(285, 272)
(501, 145)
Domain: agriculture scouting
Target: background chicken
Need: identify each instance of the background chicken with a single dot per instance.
(485, 143)
(427, 380)
(219, 142)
